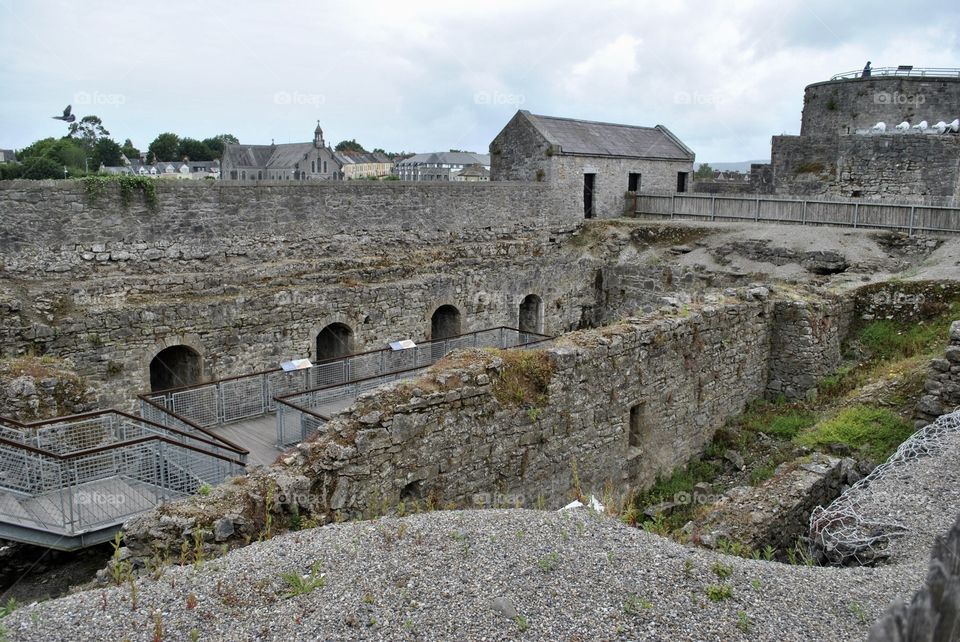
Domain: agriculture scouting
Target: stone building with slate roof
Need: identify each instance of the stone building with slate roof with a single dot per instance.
(596, 162)
(285, 162)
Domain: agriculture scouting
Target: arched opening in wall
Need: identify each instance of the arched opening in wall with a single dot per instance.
(445, 322)
(175, 367)
(531, 314)
(412, 492)
(334, 341)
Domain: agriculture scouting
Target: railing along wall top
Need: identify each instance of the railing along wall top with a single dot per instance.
(908, 217)
(902, 72)
(243, 396)
(157, 432)
(298, 401)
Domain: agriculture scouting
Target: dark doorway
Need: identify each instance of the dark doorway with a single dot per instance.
(334, 341)
(633, 182)
(637, 436)
(681, 182)
(588, 184)
(445, 322)
(531, 314)
(175, 367)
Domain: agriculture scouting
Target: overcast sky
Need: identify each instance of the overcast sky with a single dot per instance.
(424, 76)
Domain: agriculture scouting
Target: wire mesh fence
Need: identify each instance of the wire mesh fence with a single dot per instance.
(249, 396)
(75, 475)
(845, 532)
(302, 413)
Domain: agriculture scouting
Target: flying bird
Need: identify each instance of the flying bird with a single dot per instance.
(904, 126)
(67, 116)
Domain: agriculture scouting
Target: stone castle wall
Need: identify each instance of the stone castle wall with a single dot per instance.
(843, 106)
(942, 387)
(899, 167)
(248, 275)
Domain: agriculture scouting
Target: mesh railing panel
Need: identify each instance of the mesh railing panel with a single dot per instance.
(107, 487)
(199, 405)
(242, 398)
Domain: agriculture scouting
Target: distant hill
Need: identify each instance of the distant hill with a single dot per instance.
(743, 166)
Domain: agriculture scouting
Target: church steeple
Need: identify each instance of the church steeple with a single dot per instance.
(318, 137)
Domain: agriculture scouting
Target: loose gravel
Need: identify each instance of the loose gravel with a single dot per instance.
(478, 575)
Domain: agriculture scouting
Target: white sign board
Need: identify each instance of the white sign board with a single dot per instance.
(295, 364)
(406, 344)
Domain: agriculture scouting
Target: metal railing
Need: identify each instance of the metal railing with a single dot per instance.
(91, 472)
(904, 71)
(301, 413)
(902, 217)
(249, 396)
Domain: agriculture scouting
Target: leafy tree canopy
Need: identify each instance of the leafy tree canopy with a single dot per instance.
(704, 171)
(128, 150)
(106, 152)
(37, 168)
(88, 130)
(349, 146)
(165, 147)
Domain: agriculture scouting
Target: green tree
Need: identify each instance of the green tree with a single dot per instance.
(63, 151)
(106, 152)
(349, 146)
(128, 150)
(37, 168)
(704, 172)
(193, 149)
(217, 143)
(10, 171)
(164, 147)
(88, 130)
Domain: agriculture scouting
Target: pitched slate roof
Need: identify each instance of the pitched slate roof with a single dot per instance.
(350, 157)
(589, 138)
(447, 158)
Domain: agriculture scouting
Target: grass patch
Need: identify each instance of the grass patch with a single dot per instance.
(875, 432)
(525, 378)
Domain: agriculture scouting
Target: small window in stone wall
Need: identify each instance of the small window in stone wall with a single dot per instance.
(638, 429)
(633, 182)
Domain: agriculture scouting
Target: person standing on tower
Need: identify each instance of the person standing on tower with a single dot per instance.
(866, 70)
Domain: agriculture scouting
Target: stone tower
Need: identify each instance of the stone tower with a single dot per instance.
(318, 137)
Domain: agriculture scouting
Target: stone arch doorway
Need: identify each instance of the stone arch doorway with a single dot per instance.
(445, 322)
(175, 367)
(530, 318)
(334, 341)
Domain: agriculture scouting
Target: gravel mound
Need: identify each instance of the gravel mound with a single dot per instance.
(478, 575)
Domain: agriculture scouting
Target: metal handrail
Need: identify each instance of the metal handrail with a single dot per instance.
(214, 441)
(902, 72)
(285, 400)
(214, 409)
(120, 444)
